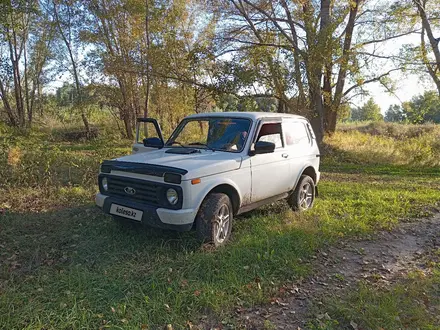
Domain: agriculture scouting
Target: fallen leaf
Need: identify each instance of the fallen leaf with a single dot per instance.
(354, 325)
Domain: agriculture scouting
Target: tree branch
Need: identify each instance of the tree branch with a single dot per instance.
(371, 80)
(374, 41)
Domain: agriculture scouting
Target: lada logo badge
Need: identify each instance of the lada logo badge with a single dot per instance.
(130, 190)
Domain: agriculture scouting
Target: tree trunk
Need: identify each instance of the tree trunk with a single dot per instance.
(7, 106)
(148, 78)
(17, 79)
(26, 86)
(78, 101)
(127, 123)
(425, 22)
(331, 117)
(125, 109)
(426, 26)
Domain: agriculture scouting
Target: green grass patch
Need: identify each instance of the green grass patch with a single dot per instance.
(63, 264)
(411, 303)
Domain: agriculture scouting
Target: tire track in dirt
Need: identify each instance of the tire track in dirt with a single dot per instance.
(390, 255)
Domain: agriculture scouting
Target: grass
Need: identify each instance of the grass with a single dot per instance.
(63, 264)
(411, 303)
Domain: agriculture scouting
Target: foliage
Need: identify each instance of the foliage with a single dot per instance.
(370, 111)
(420, 109)
(423, 108)
(394, 113)
(25, 36)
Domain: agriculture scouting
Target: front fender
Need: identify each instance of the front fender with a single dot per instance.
(240, 180)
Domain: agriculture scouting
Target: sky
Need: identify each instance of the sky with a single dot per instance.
(407, 85)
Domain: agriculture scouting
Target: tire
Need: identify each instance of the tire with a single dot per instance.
(303, 196)
(214, 220)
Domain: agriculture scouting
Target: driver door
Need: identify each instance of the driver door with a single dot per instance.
(270, 172)
(148, 136)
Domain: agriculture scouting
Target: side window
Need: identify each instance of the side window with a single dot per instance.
(146, 130)
(271, 132)
(296, 134)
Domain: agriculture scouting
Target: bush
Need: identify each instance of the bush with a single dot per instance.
(386, 143)
(393, 130)
(31, 161)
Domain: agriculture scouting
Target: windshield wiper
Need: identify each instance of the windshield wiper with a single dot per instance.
(177, 142)
(201, 144)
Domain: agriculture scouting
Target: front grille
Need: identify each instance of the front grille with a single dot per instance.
(146, 191)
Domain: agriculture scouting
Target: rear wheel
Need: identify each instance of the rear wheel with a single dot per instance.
(303, 196)
(214, 220)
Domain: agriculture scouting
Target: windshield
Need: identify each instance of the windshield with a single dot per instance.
(223, 134)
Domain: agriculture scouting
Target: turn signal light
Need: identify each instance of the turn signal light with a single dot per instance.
(196, 181)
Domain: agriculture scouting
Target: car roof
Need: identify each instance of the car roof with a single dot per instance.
(250, 115)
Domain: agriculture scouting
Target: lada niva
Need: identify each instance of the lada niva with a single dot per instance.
(213, 167)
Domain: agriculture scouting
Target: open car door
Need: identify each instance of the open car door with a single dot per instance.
(148, 136)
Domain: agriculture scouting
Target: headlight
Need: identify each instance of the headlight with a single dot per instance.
(172, 196)
(104, 184)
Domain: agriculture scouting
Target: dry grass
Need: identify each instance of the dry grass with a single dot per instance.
(386, 143)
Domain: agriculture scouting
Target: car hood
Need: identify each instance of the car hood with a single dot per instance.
(201, 164)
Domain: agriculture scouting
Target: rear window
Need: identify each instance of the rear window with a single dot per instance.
(296, 134)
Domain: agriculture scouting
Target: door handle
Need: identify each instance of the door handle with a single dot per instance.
(284, 155)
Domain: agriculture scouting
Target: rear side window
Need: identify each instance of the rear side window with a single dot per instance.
(296, 134)
(271, 132)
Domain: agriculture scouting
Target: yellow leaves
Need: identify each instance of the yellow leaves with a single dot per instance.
(360, 81)
(14, 156)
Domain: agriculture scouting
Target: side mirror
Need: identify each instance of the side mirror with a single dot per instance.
(153, 142)
(263, 147)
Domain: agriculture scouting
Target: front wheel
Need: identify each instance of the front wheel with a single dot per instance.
(303, 196)
(214, 220)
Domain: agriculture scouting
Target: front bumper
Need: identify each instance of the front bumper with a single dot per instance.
(179, 220)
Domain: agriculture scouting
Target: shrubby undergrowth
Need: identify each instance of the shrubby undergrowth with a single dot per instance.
(386, 143)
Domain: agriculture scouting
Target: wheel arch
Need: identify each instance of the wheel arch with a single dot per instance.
(310, 171)
(307, 170)
(230, 191)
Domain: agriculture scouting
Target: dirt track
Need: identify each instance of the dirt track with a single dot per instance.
(382, 260)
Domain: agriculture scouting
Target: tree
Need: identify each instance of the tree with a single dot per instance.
(150, 51)
(423, 108)
(422, 58)
(369, 111)
(68, 16)
(433, 67)
(25, 37)
(394, 113)
(323, 43)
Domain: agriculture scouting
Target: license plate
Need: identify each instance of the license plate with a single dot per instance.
(126, 212)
